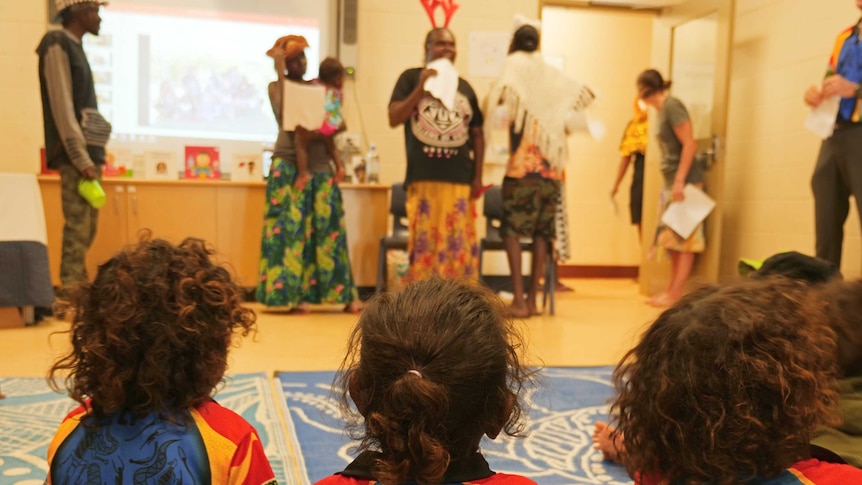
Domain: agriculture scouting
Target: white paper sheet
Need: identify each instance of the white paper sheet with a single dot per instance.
(821, 120)
(444, 85)
(304, 105)
(684, 217)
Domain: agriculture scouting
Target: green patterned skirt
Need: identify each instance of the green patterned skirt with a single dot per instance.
(303, 255)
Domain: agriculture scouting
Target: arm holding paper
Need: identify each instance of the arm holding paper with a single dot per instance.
(689, 147)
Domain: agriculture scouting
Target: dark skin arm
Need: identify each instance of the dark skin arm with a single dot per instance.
(400, 111)
(478, 137)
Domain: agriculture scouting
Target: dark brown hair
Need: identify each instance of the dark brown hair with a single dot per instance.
(651, 82)
(844, 309)
(329, 70)
(728, 384)
(431, 369)
(151, 333)
(525, 39)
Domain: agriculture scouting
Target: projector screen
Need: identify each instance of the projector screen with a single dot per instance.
(174, 73)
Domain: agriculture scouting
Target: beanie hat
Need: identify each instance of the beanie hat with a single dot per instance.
(64, 4)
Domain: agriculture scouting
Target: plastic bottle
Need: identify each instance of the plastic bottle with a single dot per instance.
(372, 164)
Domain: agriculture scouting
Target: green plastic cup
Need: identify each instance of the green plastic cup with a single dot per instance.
(92, 192)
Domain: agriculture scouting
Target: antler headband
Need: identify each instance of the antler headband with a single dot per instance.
(449, 7)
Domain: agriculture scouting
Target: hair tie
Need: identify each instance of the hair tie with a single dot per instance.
(415, 373)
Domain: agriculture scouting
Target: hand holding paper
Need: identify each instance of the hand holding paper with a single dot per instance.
(684, 217)
(444, 85)
(821, 120)
(304, 105)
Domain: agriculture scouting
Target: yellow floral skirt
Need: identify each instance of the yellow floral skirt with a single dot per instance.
(442, 239)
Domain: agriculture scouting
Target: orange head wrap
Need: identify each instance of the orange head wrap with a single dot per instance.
(292, 45)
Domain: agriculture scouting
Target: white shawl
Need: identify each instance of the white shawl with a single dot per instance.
(532, 90)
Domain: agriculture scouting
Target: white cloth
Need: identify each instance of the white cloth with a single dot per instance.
(22, 216)
(534, 91)
(303, 105)
(444, 85)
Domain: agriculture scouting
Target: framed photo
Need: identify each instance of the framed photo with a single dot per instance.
(246, 167)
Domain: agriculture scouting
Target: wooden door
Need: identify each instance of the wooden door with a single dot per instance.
(240, 227)
(111, 233)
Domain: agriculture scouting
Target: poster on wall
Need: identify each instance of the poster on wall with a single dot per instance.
(202, 162)
(486, 53)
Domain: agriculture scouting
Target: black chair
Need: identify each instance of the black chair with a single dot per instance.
(493, 211)
(398, 238)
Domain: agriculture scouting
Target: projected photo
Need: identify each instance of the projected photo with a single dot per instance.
(186, 73)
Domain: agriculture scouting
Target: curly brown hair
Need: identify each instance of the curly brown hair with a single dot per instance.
(728, 384)
(432, 369)
(151, 333)
(844, 308)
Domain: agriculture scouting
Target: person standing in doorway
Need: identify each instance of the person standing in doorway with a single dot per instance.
(75, 131)
(445, 152)
(679, 167)
(838, 173)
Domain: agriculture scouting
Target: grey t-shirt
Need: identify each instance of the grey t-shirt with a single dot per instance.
(671, 115)
(318, 159)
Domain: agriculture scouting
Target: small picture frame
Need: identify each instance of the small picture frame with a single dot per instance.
(202, 162)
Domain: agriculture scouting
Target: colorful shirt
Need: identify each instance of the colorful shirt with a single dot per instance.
(472, 471)
(333, 120)
(210, 444)
(527, 159)
(807, 472)
(846, 60)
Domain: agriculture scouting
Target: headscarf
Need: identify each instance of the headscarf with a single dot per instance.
(292, 45)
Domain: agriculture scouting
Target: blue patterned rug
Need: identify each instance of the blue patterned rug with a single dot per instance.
(557, 451)
(30, 414)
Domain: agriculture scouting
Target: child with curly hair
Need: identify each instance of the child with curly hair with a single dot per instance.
(728, 386)
(431, 370)
(844, 307)
(150, 338)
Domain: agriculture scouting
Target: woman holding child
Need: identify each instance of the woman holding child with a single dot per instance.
(304, 257)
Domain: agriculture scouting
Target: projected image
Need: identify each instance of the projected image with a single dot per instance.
(186, 73)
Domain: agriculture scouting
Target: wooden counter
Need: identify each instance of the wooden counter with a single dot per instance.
(228, 215)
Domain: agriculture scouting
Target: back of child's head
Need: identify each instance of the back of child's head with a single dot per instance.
(728, 384)
(151, 333)
(331, 71)
(798, 266)
(432, 369)
(844, 309)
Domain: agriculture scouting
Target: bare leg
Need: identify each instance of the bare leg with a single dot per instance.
(681, 272)
(513, 253)
(540, 253)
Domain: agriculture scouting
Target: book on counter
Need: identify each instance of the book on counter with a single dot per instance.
(202, 162)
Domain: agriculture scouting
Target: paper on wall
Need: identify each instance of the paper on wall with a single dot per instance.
(304, 105)
(821, 120)
(684, 217)
(444, 85)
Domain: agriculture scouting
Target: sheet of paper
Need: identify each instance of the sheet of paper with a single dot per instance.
(684, 217)
(304, 105)
(444, 85)
(821, 120)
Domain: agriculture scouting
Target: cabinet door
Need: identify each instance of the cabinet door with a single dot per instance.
(366, 212)
(112, 229)
(172, 212)
(240, 227)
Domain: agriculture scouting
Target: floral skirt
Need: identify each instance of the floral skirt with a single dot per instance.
(668, 239)
(442, 239)
(303, 256)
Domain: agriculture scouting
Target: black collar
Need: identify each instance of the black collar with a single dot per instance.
(472, 468)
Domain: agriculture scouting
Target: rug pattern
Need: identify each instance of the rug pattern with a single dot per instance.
(558, 450)
(30, 414)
